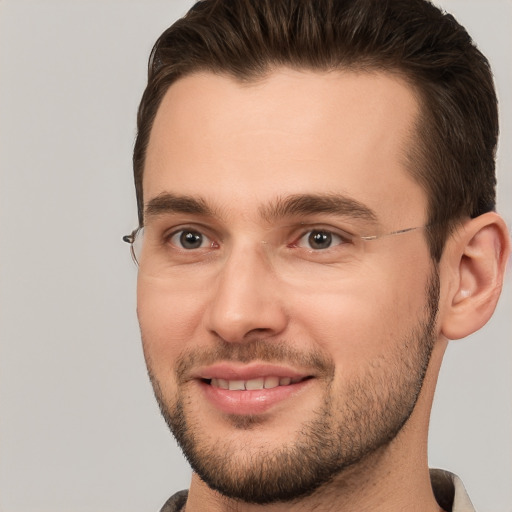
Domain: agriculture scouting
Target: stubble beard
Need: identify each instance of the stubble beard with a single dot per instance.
(345, 431)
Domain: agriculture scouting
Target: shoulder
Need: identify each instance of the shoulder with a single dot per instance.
(450, 492)
(176, 502)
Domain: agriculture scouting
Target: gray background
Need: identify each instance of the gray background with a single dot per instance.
(79, 429)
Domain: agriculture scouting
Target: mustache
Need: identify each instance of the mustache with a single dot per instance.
(276, 352)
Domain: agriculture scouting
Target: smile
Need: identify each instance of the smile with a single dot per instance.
(250, 390)
(254, 384)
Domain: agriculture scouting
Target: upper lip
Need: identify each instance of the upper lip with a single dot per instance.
(237, 371)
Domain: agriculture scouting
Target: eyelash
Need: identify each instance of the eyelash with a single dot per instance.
(189, 230)
(334, 237)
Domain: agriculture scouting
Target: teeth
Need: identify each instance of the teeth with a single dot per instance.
(271, 382)
(254, 384)
(220, 383)
(236, 385)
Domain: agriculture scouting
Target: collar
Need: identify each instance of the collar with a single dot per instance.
(449, 491)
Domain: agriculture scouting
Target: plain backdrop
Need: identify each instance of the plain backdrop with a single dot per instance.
(79, 428)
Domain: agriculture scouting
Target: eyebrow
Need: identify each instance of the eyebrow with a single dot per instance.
(172, 203)
(290, 206)
(310, 204)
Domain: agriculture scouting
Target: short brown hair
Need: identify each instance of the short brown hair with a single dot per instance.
(453, 153)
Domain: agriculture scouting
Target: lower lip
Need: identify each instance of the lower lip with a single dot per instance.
(249, 402)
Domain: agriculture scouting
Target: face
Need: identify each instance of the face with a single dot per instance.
(283, 348)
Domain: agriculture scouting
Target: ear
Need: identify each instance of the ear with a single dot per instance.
(476, 257)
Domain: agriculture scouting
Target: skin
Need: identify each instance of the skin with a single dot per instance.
(240, 148)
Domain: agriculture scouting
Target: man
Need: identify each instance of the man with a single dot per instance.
(315, 184)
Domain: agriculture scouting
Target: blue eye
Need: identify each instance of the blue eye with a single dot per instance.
(190, 239)
(320, 239)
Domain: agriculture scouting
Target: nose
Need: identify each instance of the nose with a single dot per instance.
(246, 301)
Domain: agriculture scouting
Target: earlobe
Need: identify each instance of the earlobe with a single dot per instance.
(478, 257)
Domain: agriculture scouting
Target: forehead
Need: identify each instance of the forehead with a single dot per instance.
(292, 132)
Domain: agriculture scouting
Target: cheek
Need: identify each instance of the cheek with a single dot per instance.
(364, 318)
(168, 320)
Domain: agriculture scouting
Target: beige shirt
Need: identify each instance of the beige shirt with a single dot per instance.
(448, 490)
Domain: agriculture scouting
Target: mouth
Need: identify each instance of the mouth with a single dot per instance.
(258, 383)
(251, 389)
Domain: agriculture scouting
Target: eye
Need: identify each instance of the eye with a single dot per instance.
(190, 239)
(320, 239)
